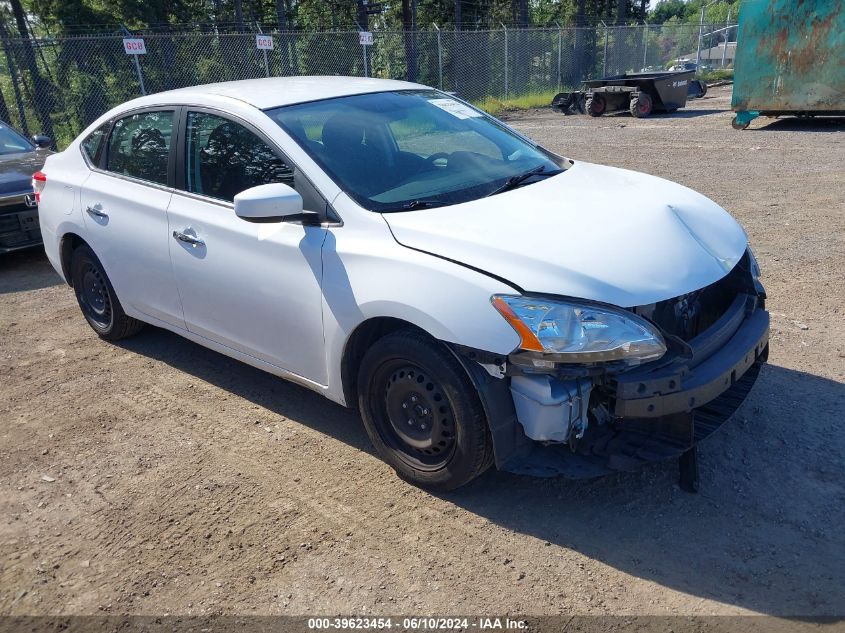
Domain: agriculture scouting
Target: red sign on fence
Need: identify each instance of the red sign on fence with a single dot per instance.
(264, 42)
(134, 46)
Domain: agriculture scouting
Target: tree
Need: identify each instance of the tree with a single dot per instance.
(41, 87)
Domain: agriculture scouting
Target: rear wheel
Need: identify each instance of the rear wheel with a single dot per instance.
(422, 412)
(97, 299)
(640, 105)
(595, 105)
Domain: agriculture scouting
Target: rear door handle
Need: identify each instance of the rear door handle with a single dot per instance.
(97, 213)
(188, 239)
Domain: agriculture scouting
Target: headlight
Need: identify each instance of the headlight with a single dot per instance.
(571, 332)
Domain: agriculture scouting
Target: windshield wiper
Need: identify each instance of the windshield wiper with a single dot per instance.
(419, 204)
(514, 181)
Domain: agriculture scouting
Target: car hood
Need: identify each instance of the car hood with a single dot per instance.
(16, 171)
(592, 232)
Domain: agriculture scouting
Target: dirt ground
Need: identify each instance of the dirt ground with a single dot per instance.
(184, 482)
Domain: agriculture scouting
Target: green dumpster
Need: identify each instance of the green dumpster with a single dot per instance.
(790, 59)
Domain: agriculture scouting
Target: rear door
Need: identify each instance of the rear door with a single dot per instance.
(252, 287)
(124, 205)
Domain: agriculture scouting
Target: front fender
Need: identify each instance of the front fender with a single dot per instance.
(367, 275)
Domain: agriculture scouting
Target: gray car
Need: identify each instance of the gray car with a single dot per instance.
(19, 158)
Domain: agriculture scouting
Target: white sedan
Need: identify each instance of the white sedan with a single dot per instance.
(477, 297)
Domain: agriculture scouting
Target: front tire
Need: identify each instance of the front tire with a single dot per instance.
(640, 105)
(595, 105)
(97, 299)
(422, 413)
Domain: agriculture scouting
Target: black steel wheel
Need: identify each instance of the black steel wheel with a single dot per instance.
(421, 411)
(97, 299)
(94, 296)
(419, 421)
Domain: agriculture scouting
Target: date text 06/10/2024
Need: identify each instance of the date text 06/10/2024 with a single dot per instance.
(418, 623)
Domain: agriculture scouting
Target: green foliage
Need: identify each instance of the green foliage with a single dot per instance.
(494, 106)
(679, 11)
(720, 74)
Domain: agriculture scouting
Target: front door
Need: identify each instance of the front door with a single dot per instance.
(252, 287)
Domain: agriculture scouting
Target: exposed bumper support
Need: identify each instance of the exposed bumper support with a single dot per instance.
(679, 388)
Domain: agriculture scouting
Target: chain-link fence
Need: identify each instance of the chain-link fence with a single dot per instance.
(58, 86)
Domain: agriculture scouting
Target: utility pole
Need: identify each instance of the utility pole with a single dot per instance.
(457, 15)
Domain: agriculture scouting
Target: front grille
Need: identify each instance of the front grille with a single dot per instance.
(14, 204)
(18, 225)
(688, 315)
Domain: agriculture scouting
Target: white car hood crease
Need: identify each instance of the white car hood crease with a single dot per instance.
(593, 232)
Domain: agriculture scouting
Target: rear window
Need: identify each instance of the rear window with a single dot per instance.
(139, 146)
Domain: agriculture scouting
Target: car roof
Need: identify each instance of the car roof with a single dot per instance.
(279, 91)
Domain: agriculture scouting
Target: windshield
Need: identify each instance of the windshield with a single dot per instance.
(397, 151)
(11, 142)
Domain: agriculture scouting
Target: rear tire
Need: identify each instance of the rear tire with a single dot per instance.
(640, 105)
(422, 412)
(595, 105)
(97, 299)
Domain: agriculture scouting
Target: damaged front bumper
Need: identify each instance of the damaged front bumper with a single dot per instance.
(619, 421)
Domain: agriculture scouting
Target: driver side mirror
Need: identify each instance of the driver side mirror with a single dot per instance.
(41, 141)
(275, 202)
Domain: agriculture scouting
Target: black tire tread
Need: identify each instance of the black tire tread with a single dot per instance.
(122, 326)
(588, 106)
(634, 105)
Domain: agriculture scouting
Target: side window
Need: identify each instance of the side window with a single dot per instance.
(140, 146)
(93, 144)
(223, 158)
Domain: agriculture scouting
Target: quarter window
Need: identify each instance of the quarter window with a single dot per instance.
(93, 144)
(140, 146)
(224, 158)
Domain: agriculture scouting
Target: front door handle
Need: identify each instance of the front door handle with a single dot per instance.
(188, 239)
(97, 213)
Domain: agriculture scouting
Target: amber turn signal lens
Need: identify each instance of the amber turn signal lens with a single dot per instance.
(528, 339)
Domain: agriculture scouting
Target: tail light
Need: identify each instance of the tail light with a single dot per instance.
(39, 181)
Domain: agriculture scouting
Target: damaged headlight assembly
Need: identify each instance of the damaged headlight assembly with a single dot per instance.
(556, 331)
(573, 337)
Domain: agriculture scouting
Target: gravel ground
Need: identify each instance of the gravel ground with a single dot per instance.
(155, 476)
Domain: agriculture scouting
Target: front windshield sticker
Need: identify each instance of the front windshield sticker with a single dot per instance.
(455, 108)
